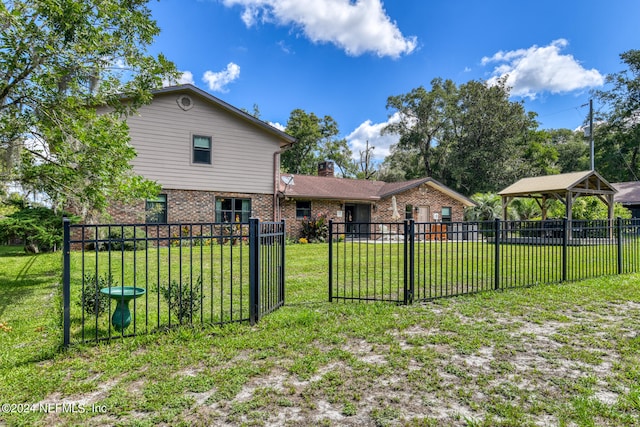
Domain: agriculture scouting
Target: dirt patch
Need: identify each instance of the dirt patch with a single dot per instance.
(544, 364)
(429, 375)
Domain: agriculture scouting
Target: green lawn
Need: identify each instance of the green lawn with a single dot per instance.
(566, 354)
(371, 270)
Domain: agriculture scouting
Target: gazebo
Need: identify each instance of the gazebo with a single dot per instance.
(566, 187)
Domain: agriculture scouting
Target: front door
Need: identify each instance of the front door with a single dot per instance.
(424, 214)
(357, 219)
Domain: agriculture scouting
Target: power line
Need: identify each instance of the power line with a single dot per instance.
(576, 108)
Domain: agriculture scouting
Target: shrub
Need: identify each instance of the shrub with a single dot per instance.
(38, 228)
(315, 229)
(184, 298)
(92, 301)
(303, 241)
(127, 238)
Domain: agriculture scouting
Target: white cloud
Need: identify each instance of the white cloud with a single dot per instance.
(371, 132)
(186, 77)
(218, 81)
(542, 69)
(357, 27)
(278, 126)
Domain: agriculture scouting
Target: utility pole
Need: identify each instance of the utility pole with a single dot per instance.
(593, 167)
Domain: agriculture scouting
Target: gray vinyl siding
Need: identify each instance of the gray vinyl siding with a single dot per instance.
(241, 153)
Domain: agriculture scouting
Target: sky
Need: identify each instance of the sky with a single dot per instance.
(344, 58)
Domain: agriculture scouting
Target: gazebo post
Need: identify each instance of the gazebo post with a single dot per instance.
(610, 204)
(568, 214)
(505, 203)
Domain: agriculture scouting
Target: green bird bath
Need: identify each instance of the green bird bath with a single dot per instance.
(122, 295)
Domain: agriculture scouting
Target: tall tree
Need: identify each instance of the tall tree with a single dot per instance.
(402, 164)
(338, 151)
(317, 142)
(61, 59)
(541, 154)
(423, 119)
(618, 137)
(487, 142)
(573, 150)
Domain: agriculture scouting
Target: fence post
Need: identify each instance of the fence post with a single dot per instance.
(412, 269)
(496, 272)
(282, 259)
(619, 237)
(330, 260)
(565, 241)
(66, 281)
(405, 281)
(254, 270)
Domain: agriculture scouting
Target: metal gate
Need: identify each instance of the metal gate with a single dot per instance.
(122, 280)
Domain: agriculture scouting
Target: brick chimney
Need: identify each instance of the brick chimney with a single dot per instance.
(325, 169)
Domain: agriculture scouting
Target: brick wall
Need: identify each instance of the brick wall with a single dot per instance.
(432, 198)
(381, 210)
(329, 208)
(191, 206)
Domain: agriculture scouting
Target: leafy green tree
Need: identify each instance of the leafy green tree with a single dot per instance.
(554, 151)
(618, 137)
(487, 144)
(586, 208)
(39, 228)
(424, 118)
(62, 59)
(470, 137)
(573, 150)
(338, 151)
(402, 164)
(317, 142)
(541, 155)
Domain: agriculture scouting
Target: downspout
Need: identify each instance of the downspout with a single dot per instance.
(276, 182)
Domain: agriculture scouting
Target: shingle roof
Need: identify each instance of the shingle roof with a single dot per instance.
(324, 187)
(628, 192)
(332, 188)
(558, 183)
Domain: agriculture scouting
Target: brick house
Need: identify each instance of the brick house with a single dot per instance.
(214, 162)
(353, 200)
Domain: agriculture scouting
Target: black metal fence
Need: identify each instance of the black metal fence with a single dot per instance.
(127, 279)
(406, 262)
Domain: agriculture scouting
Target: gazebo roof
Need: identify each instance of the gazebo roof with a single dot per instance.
(586, 182)
(565, 187)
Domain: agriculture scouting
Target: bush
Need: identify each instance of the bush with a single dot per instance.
(315, 229)
(184, 299)
(92, 301)
(127, 238)
(38, 228)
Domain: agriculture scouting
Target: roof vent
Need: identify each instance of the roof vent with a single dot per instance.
(185, 102)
